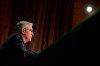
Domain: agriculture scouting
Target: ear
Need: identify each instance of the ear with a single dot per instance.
(23, 30)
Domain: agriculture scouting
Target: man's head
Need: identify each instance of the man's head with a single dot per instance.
(25, 29)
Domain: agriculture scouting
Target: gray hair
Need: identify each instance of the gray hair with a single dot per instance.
(22, 24)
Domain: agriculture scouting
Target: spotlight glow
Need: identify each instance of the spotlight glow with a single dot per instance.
(89, 9)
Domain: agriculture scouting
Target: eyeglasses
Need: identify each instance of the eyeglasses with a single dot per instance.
(30, 30)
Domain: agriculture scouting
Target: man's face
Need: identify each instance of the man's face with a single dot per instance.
(28, 33)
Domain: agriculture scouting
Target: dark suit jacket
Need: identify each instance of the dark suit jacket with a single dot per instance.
(14, 51)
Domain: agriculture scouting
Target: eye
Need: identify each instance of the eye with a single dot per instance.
(30, 30)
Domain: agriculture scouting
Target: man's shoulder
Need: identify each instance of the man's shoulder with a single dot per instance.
(15, 37)
(13, 40)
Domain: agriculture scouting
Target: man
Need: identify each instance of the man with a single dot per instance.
(13, 49)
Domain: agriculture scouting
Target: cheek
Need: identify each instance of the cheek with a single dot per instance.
(29, 35)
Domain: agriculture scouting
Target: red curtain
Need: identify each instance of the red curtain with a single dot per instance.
(51, 19)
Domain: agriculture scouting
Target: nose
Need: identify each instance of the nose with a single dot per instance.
(32, 34)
